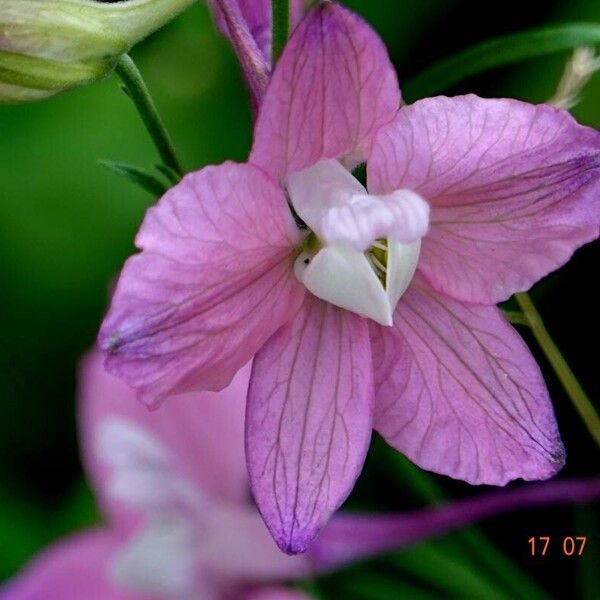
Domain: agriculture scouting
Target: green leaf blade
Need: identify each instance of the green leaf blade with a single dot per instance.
(500, 52)
(144, 179)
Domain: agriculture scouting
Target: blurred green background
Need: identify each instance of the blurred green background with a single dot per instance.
(66, 225)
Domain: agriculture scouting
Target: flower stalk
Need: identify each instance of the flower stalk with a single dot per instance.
(578, 71)
(567, 378)
(138, 92)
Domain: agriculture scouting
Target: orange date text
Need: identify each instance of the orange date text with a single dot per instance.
(542, 545)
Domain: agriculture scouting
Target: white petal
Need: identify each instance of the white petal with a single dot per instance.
(122, 443)
(339, 209)
(160, 561)
(402, 262)
(402, 216)
(142, 471)
(315, 190)
(342, 275)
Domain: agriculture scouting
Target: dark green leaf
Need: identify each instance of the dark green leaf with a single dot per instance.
(145, 179)
(499, 52)
(375, 586)
(169, 173)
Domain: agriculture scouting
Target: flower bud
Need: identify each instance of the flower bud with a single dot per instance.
(47, 46)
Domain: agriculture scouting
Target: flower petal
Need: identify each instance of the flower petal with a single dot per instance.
(333, 87)
(150, 464)
(257, 14)
(237, 547)
(308, 420)
(458, 392)
(202, 433)
(343, 276)
(402, 264)
(213, 283)
(514, 189)
(338, 209)
(75, 568)
(159, 560)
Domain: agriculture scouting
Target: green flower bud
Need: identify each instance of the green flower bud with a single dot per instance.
(47, 46)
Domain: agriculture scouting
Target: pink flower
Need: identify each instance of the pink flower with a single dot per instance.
(172, 485)
(469, 200)
(173, 488)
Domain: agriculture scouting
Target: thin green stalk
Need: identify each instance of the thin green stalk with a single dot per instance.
(281, 26)
(572, 387)
(138, 92)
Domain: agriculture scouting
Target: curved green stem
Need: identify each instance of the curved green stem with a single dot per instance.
(138, 92)
(281, 26)
(572, 387)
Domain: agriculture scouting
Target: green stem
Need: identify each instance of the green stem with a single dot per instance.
(138, 92)
(516, 317)
(572, 387)
(281, 26)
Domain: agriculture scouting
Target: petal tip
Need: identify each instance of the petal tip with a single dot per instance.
(557, 460)
(296, 542)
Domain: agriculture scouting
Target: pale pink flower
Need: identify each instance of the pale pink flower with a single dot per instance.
(379, 310)
(173, 489)
(172, 486)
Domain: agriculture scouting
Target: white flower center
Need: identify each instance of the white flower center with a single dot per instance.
(366, 248)
(161, 558)
(159, 561)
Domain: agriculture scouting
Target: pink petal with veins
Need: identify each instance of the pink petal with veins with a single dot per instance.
(308, 420)
(333, 87)
(514, 189)
(213, 282)
(458, 392)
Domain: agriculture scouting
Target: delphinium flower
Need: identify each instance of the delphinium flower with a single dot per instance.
(173, 488)
(363, 306)
(48, 46)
